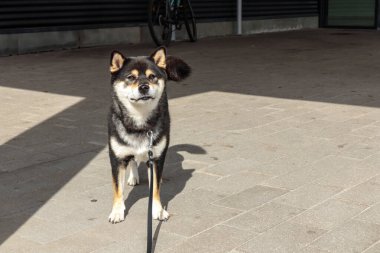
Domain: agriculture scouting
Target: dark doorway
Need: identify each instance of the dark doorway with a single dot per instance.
(349, 13)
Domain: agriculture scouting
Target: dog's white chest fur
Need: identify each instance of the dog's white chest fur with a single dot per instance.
(137, 147)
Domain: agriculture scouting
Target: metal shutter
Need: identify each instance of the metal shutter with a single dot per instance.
(37, 15)
(18, 15)
(259, 9)
(351, 13)
(214, 10)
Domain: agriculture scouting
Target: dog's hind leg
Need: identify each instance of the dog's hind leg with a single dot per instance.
(118, 176)
(158, 212)
(133, 178)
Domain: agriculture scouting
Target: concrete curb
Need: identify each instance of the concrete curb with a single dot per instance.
(22, 43)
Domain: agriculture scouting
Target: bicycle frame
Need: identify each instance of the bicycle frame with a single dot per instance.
(170, 16)
(174, 3)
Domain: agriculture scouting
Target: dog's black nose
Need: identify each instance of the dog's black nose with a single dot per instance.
(144, 88)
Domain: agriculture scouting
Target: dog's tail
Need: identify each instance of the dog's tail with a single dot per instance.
(176, 69)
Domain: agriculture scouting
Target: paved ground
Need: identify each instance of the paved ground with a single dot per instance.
(275, 148)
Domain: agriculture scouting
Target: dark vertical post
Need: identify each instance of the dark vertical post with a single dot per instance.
(239, 14)
(322, 9)
(377, 15)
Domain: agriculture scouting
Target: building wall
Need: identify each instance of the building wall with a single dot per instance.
(40, 25)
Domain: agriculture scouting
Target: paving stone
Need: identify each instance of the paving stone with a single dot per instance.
(362, 193)
(296, 178)
(363, 149)
(232, 167)
(354, 236)
(186, 181)
(371, 215)
(308, 195)
(43, 231)
(329, 215)
(288, 237)
(236, 182)
(347, 177)
(264, 218)
(76, 243)
(136, 242)
(311, 249)
(26, 161)
(343, 113)
(345, 141)
(372, 161)
(217, 239)
(278, 167)
(373, 249)
(17, 244)
(368, 131)
(235, 251)
(307, 117)
(250, 198)
(192, 213)
(184, 166)
(289, 138)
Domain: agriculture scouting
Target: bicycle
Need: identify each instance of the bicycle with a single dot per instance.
(166, 16)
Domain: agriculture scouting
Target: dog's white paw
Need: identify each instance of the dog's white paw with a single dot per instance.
(133, 180)
(117, 214)
(158, 213)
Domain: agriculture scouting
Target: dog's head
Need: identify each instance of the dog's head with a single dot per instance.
(141, 80)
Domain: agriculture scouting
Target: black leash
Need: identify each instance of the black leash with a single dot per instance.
(150, 165)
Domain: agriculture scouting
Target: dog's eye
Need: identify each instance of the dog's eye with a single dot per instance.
(152, 77)
(131, 78)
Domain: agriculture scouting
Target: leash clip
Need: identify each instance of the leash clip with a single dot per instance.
(150, 136)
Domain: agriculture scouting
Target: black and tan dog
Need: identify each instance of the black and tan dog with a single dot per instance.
(140, 104)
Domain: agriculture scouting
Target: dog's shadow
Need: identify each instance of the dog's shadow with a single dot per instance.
(173, 180)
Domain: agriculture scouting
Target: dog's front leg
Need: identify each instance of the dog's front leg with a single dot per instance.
(158, 212)
(118, 176)
(133, 178)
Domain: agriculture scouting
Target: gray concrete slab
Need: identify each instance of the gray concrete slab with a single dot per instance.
(275, 147)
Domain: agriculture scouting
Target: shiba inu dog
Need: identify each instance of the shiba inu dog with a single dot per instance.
(139, 105)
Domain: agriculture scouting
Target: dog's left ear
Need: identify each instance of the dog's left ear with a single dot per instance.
(175, 68)
(159, 57)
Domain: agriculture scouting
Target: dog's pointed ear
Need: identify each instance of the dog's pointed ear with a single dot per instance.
(117, 61)
(177, 69)
(159, 57)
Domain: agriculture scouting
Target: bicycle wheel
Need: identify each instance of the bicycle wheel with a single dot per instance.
(189, 19)
(159, 22)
